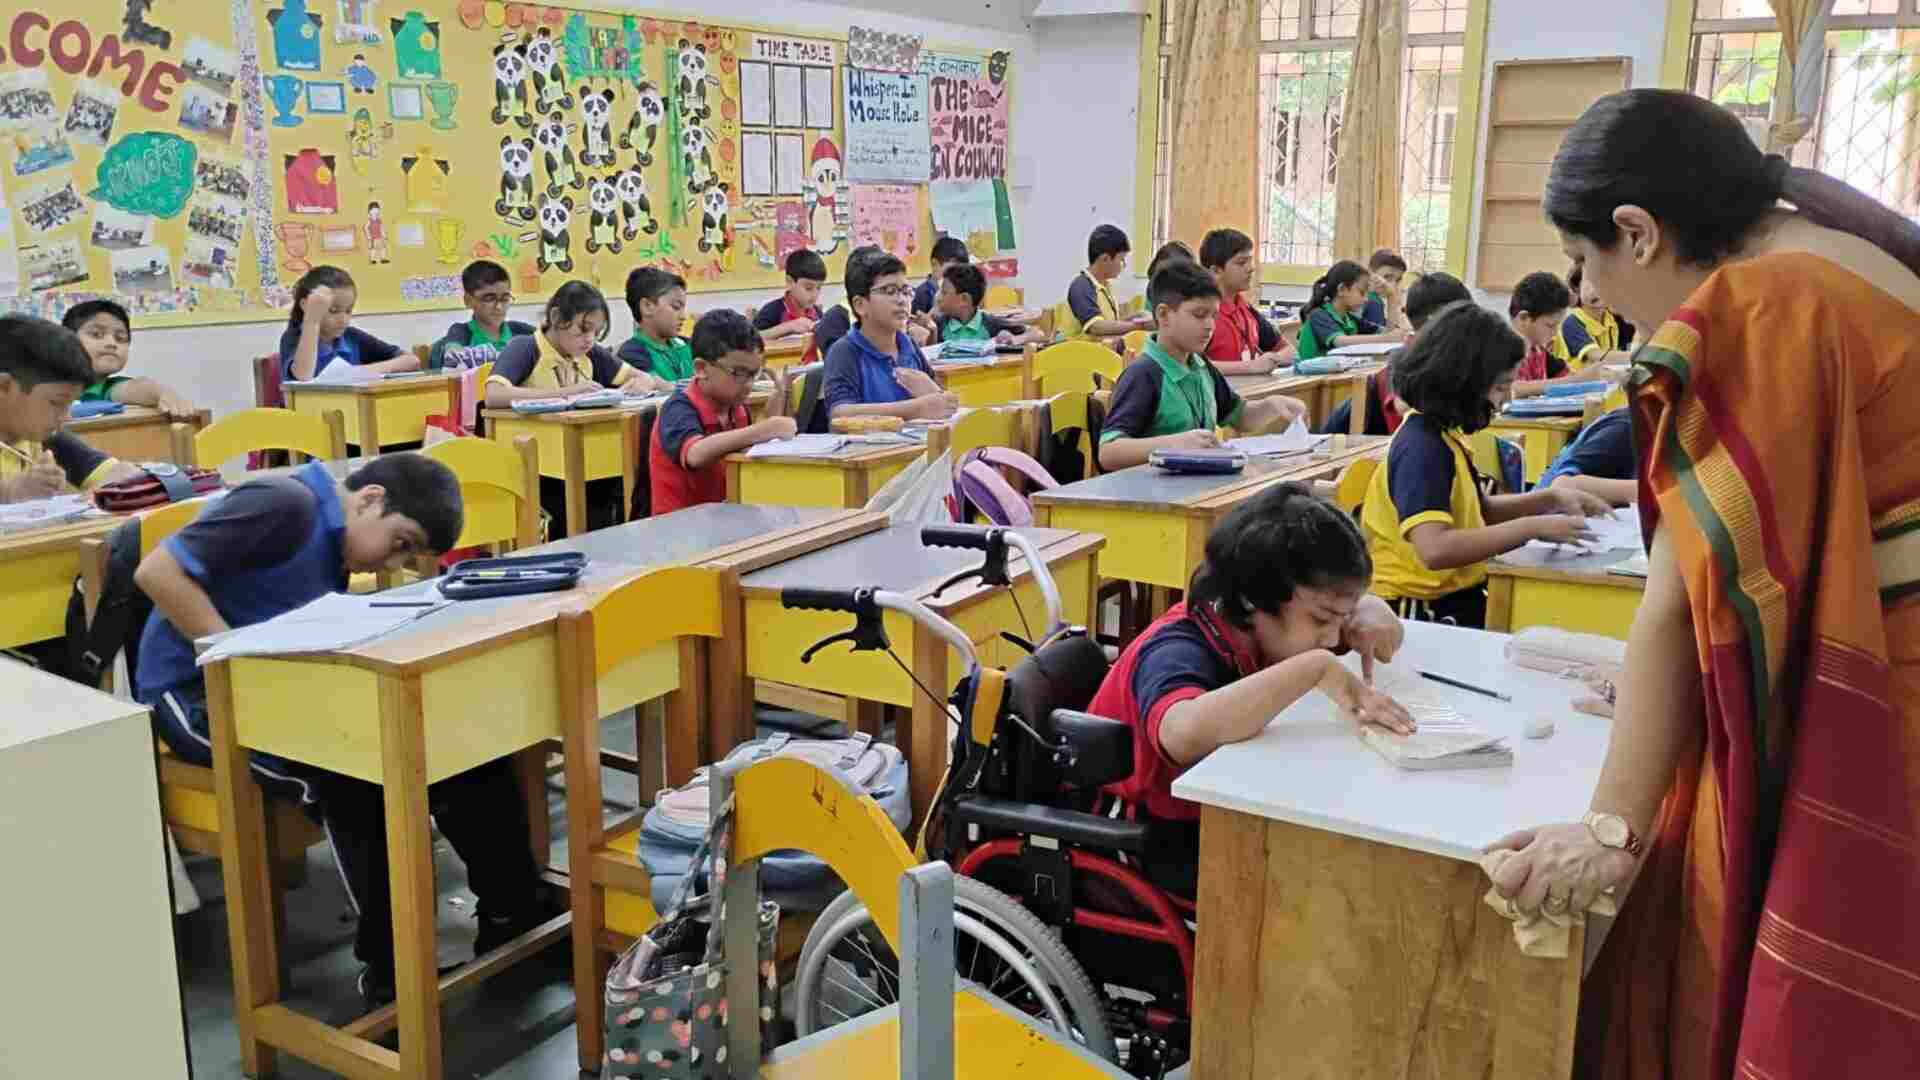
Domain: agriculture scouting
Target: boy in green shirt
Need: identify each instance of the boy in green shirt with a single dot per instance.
(106, 332)
(487, 290)
(1172, 397)
(658, 300)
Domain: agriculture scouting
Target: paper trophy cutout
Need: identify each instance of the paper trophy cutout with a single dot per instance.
(312, 187)
(446, 237)
(285, 92)
(442, 97)
(296, 240)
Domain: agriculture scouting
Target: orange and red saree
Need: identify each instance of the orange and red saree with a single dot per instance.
(1774, 932)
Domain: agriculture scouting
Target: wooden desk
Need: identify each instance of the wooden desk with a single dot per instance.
(894, 558)
(1541, 438)
(1530, 587)
(1320, 393)
(379, 412)
(580, 445)
(37, 571)
(1344, 932)
(464, 685)
(846, 480)
(87, 880)
(1158, 522)
(990, 1039)
(982, 383)
(137, 435)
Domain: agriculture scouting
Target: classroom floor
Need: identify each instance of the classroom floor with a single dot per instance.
(519, 1025)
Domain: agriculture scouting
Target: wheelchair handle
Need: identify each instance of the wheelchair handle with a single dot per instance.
(851, 601)
(866, 604)
(994, 541)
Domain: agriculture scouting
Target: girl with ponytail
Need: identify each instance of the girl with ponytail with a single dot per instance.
(1758, 791)
(1333, 313)
(1282, 590)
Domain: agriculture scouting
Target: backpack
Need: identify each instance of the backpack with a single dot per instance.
(118, 619)
(978, 486)
(674, 827)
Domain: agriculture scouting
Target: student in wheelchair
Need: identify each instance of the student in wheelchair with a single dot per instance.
(1282, 591)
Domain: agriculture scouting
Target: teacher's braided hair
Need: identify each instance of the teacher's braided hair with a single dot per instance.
(1692, 165)
(1281, 540)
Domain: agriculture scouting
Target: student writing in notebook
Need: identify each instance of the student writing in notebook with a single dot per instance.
(271, 546)
(795, 312)
(43, 368)
(1538, 307)
(1282, 590)
(1333, 319)
(1430, 527)
(1243, 343)
(565, 357)
(1592, 334)
(1432, 293)
(320, 331)
(707, 419)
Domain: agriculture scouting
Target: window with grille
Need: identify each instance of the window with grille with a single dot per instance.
(1868, 130)
(1306, 57)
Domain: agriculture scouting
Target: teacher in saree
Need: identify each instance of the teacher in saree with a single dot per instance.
(1759, 798)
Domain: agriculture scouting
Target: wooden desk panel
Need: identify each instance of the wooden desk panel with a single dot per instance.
(137, 435)
(381, 412)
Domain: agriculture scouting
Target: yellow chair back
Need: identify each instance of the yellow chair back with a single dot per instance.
(1003, 296)
(1135, 341)
(1486, 454)
(163, 521)
(500, 486)
(1048, 322)
(1083, 359)
(980, 427)
(661, 605)
(242, 433)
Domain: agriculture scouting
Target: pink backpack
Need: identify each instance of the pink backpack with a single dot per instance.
(978, 485)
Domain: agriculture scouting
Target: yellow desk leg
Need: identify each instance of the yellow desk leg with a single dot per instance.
(576, 479)
(403, 759)
(630, 451)
(369, 425)
(1499, 603)
(244, 865)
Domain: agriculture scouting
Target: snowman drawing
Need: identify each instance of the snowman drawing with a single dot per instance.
(824, 167)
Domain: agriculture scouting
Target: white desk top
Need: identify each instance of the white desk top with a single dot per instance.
(1310, 768)
(41, 706)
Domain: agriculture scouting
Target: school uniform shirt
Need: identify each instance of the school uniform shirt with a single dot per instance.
(1375, 309)
(671, 359)
(834, 325)
(1383, 410)
(1604, 449)
(356, 346)
(925, 296)
(1584, 339)
(779, 310)
(1174, 660)
(261, 550)
(857, 373)
(981, 327)
(1240, 333)
(1541, 365)
(686, 418)
(1158, 395)
(533, 361)
(1428, 477)
(1323, 324)
(467, 344)
(1087, 300)
(103, 390)
(85, 467)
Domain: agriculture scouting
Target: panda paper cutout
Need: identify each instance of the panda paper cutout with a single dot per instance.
(696, 147)
(649, 112)
(694, 77)
(556, 214)
(549, 78)
(516, 178)
(596, 129)
(557, 155)
(631, 187)
(713, 219)
(603, 222)
(510, 85)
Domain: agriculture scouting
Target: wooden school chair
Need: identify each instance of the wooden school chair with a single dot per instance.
(187, 803)
(1079, 366)
(939, 1028)
(1000, 297)
(1350, 490)
(614, 653)
(500, 487)
(1135, 341)
(250, 430)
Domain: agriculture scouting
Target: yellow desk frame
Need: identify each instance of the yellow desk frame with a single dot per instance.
(381, 412)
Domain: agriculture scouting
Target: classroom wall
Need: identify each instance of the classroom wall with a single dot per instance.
(211, 364)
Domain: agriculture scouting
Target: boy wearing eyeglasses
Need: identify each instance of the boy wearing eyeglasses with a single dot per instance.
(488, 292)
(877, 370)
(707, 419)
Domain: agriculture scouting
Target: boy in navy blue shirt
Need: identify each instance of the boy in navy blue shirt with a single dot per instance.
(1600, 462)
(877, 370)
(947, 251)
(795, 312)
(277, 544)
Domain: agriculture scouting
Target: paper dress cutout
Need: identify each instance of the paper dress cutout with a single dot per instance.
(426, 181)
(296, 36)
(416, 46)
(312, 187)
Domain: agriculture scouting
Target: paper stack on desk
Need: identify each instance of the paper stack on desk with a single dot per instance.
(1621, 531)
(1443, 740)
(335, 621)
(800, 446)
(41, 513)
(1295, 440)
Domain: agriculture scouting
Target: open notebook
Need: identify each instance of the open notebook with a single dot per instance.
(1443, 740)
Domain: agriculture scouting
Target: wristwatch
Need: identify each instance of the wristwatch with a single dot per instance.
(1613, 831)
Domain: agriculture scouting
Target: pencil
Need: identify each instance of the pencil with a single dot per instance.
(404, 603)
(1458, 684)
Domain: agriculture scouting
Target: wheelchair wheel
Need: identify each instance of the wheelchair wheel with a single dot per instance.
(847, 969)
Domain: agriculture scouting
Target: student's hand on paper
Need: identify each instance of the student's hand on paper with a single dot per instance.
(1291, 410)
(915, 382)
(936, 406)
(1362, 703)
(779, 427)
(587, 386)
(45, 480)
(316, 306)
(1197, 439)
(1579, 503)
(1562, 529)
(175, 406)
(1375, 632)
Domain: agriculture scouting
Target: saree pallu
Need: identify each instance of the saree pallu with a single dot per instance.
(1774, 931)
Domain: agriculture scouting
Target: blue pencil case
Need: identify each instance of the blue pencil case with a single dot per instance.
(1321, 366)
(83, 410)
(1201, 462)
(536, 406)
(479, 579)
(1578, 389)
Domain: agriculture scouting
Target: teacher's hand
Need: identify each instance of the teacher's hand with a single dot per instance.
(1558, 868)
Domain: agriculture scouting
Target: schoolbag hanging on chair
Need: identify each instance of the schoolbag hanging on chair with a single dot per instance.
(978, 486)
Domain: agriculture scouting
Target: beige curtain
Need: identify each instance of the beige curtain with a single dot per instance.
(1802, 77)
(1367, 193)
(1213, 113)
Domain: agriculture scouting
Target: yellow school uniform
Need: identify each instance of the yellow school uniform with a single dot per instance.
(1603, 337)
(86, 468)
(1088, 300)
(532, 361)
(1428, 477)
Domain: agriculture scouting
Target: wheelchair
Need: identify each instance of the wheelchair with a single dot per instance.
(1050, 914)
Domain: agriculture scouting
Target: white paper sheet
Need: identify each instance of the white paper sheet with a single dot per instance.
(41, 513)
(756, 94)
(339, 373)
(800, 446)
(789, 164)
(1295, 440)
(1621, 531)
(819, 97)
(789, 106)
(335, 621)
(1377, 349)
(756, 163)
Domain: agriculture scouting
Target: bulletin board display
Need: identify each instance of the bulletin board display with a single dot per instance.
(193, 160)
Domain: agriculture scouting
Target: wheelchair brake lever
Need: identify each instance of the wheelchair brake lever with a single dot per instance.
(992, 570)
(956, 579)
(869, 634)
